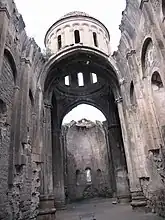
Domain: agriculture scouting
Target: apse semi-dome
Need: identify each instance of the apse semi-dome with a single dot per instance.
(77, 29)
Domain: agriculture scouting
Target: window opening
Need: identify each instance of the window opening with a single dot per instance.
(95, 39)
(59, 42)
(132, 94)
(77, 36)
(88, 175)
(156, 81)
(67, 81)
(94, 78)
(80, 79)
(77, 176)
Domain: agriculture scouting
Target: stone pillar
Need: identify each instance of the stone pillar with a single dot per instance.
(111, 167)
(4, 22)
(46, 207)
(138, 199)
(58, 170)
(118, 156)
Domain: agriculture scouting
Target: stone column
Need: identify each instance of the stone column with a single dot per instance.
(46, 207)
(138, 199)
(58, 169)
(4, 22)
(118, 155)
(111, 167)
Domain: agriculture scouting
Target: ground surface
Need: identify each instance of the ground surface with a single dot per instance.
(102, 210)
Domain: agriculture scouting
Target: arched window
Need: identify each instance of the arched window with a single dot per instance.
(163, 9)
(77, 176)
(67, 80)
(31, 97)
(95, 39)
(59, 42)
(158, 94)
(93, 77)
(88, 175)
(80, 79)
(77, 36)
(132, 94)
(156, 81)
(147, 55)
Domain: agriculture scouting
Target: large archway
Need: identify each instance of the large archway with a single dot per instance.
(65, 88)
(93, 150)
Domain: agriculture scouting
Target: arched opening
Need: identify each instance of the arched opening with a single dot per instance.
(67, 80)
(59, 42)
(132, 95)
(158, 92)
(84, 111)
(88, 175)
(86, 134)
(163, 9)
(83, 139)
(80, 79)
(95, 39)
(93, 78)
(30, 114)
(147, 56)
(77, 36)
(77, 177)
(9, 58)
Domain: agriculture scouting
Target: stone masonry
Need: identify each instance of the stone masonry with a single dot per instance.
(43, 165)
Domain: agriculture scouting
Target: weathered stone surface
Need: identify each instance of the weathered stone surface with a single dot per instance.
(35, 96)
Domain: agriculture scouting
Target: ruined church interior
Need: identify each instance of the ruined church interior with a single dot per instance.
(54, 166)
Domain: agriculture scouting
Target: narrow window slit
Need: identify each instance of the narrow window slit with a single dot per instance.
(80, 79)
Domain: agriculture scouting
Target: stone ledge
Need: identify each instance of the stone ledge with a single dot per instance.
(47, 211)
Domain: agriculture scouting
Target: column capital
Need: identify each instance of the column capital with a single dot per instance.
(119, 99)
(142, 3)
(3, 8)
(17, 88)
(25, 60)
(130, 53)
(48, 105)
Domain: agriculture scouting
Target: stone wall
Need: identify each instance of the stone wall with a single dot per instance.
(86, 148)
(140, 59)
(20, 64)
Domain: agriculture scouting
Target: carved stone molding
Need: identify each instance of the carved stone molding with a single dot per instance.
(3, 8)
(130, 53)
(142, 3)
(119, 99)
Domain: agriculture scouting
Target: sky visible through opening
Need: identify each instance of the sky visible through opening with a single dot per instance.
(39, 15)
